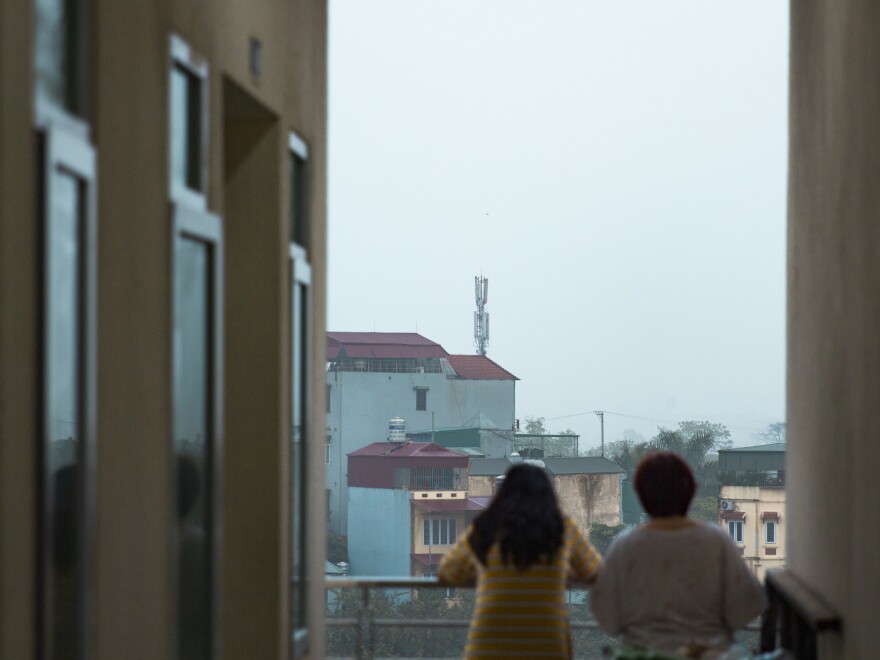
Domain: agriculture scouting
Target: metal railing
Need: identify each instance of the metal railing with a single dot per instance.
(365, 627)
(798, 619)
(370, 617)
(761, 479)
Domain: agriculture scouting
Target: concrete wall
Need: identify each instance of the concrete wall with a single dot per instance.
(380, 531)
(753, 502)
(834, 312)
(587, 498)
(361, 403)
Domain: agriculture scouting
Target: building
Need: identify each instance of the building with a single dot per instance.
(375, 376)
(408, 503)
(588, 488)
(752, 503)
(162, 240)
(128, 483)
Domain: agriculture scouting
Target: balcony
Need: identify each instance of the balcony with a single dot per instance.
(417, 617)
(761, 479)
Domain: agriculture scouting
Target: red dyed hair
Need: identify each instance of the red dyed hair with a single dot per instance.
(665, 484)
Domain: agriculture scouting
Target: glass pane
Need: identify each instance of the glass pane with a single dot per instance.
(185, 129)
(298, 377)
(63, 397)
(298, 225)
(192, 442)
(52, 50)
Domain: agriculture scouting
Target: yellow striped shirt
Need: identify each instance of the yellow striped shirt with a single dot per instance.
(521, 613)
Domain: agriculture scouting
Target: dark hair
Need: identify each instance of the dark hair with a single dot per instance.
(665, 484)
(523, 518)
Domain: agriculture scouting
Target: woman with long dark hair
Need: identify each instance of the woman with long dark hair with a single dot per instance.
(520, 552)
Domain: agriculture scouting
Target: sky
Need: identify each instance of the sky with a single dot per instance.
(616, 169)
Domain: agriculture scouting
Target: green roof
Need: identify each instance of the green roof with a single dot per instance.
(773, 446)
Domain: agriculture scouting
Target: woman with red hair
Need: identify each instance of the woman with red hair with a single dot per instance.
(674, 584)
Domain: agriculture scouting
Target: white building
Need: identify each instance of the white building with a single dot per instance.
(374, 376)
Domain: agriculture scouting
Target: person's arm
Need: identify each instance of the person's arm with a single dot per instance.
(743, 597)
(459, 565)
(584, 563)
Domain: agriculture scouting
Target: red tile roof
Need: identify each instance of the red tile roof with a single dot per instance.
(420, 449)
(382, 345)
(478, 367)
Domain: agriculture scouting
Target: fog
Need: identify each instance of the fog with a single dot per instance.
(617, 171)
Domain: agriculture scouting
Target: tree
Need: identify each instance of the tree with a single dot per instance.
(718, 432)
(774, 432)
(535, 425)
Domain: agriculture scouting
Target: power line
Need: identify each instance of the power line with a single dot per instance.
(731, 427)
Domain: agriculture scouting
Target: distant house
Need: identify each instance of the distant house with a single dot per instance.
(375, 376)
(752, 503)
(407, 504)
(588, 488)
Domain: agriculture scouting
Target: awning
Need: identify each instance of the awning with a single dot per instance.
(770, 515)
(428, 559)
(448, 505)
(733, 515)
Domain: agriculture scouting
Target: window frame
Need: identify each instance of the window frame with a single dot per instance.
(447, 526)
(203, 227)
(300, 278)
(737, 536)
(183, 56)
(74, 111)
(768, 525)
(69, 152)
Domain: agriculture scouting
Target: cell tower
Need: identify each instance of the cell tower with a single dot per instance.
(481, 316)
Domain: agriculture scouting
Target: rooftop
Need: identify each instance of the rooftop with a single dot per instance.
(484, 467)
(771, 447)
(411, 449)
(478, 367)
(381, 345)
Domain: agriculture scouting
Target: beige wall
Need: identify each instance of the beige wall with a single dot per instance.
(753, 502)
(18, 335)
(834, 311)
(134, 577)
(588, 498)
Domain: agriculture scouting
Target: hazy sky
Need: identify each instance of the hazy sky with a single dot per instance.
(616, 169)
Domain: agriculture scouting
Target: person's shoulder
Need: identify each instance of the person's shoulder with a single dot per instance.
(713, 533)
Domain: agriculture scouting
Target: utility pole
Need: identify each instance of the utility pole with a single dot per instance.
(601, 415)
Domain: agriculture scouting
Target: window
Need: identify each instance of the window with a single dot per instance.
(300, 350)
(735, 529)
(770, 531)
(188, 125)
(68, 433)
(197, 345)
(197, 415)
(421, 399)
(438, 531)
(327, 450)
(61, 56)
(328, 398)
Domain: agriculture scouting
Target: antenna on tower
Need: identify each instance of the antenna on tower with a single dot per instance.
(481, 316)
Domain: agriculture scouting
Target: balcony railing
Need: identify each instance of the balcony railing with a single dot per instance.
(417, 617)
(765, 479)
